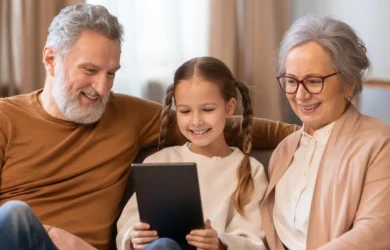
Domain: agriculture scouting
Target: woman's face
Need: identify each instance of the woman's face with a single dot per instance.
(315, 110)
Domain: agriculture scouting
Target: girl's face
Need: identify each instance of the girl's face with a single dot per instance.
(202, 112)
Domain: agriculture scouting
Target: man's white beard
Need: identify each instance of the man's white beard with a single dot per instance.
(69, 104)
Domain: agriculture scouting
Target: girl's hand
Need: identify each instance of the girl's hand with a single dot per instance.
(141, 235)
(205, 238)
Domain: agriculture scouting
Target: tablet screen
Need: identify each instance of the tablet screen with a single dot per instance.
(168, 198)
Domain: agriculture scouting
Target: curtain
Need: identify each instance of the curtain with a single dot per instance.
(160, 35)
(245, 35)
(23, 32)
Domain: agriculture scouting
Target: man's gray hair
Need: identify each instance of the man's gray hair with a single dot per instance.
(338, 38)
(67, 26)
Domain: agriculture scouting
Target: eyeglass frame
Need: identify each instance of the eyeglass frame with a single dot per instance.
(301, 82)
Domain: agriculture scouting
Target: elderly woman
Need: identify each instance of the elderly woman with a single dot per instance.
(329, 182)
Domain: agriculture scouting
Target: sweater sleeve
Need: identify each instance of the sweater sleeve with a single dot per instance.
(128, 218)
(245, 232)
(371, 228)
(3, 144)
(266, 134)
(150, 122)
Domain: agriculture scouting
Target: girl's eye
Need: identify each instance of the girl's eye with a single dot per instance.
(184, 111)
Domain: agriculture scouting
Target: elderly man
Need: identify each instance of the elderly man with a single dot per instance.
(65, 151)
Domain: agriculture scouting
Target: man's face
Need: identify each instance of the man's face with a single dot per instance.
(83, 82)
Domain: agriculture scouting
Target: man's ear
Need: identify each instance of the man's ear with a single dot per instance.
(48, 58)
(230, 107)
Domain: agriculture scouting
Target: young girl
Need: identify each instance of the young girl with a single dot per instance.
(232, 184)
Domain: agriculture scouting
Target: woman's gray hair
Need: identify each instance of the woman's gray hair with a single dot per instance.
(338, 38)
(67, 26)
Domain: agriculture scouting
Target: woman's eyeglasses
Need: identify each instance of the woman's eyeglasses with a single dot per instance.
(312, 84)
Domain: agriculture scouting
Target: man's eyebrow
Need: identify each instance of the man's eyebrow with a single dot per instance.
(88, 64)
(117, 68)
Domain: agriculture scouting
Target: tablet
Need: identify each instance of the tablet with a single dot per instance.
(168, 198)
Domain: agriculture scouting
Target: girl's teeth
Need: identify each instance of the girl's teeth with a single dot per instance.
(199, 132)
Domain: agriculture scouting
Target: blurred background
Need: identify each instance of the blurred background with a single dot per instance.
(162, 34)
